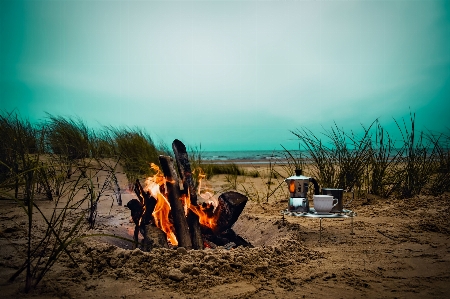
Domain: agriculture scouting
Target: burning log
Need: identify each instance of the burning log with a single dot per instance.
(184, 168)
(147, 201)
(230, 206)
(141, 213)
(153, 236)
(177, 210)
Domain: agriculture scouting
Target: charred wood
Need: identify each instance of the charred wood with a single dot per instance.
(209, 244)
(184, 168)
(153, 238)
(148, 201)
(226, 237)
(230, 206)
(136, 209)
(141, 213)
(137, 190)
(177, 210)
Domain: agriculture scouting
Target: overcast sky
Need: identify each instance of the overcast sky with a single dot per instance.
(227, 74)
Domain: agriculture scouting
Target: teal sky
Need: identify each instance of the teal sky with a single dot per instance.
(227, 74)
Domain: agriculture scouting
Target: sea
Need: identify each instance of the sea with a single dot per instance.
(242, 157)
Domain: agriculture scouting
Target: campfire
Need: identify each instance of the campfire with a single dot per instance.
(171, 211)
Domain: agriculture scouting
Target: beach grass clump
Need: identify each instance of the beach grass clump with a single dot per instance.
(349, 161)
(384, 164)
(102, 144)
(341, 161)
(441, 177)
(351, 153)
(253, 173)
(324, 166)
(72, 139)
(68, 137)
(216, 169)
(417, 162)
(18, 147)
(136, 150)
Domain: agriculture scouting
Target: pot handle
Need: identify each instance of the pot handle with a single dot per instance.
(316, 186)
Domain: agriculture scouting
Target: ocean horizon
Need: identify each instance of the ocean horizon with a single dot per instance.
(260, 156)
(252, 156)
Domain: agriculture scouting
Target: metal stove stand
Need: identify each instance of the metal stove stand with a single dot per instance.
(313, 214)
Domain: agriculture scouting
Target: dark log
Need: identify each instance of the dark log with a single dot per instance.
(136, 209)
(143, 220)
(147, 200)
(137, 190)
(153, 238)
(177, 210)
(184, 168)
(230, 206)
(194, 230)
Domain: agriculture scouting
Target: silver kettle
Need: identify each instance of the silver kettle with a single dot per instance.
(298, 190)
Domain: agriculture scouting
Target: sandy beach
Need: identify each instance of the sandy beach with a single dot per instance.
(392, 248)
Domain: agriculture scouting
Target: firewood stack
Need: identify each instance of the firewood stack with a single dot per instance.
(189, 232)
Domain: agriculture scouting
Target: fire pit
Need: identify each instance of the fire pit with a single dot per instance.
(171, 211)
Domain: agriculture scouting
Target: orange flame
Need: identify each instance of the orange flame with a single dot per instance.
(207, 215)
(156, 185)
(206, 209)
(186, 201)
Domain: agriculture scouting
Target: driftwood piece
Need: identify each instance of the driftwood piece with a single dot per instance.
(184, 168)
(137, 190)
(177, 210)
(143, 220)
(153, 237)
(147, 200)
(230, 206)
(136, 209)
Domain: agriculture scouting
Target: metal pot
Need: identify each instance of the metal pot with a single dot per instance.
(298, 189)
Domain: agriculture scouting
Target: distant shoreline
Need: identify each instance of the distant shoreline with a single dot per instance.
(245, 162)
